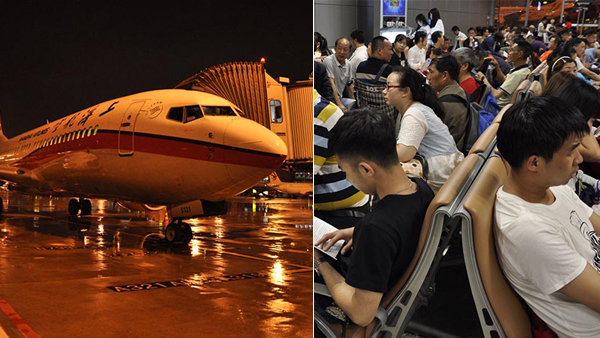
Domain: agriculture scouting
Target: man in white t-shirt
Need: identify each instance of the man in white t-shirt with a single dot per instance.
(545, 236)
(360, 50)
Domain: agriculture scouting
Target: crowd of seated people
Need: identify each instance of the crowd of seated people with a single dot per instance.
(430, 81)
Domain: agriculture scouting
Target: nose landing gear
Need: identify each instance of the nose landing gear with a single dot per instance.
(177, 231)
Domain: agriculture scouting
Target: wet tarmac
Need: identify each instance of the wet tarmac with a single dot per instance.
(111, 274)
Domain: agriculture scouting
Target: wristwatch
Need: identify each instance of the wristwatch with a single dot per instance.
(318, 263)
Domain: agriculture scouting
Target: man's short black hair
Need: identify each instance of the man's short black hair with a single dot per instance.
(524, 47)
(447, 63)
(365, 134)
(538, 126)
(358, 35)
(378, 42)
(455, 28)
(435, 36)
(588, 32)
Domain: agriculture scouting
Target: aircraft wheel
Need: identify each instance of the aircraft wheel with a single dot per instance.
(86, 207)
(187, 233)
(73, 207)
(173, 233)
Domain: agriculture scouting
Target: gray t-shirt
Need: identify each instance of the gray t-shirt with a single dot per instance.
(341, 74)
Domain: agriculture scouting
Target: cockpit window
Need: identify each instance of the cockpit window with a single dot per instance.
(192, 113)
(218, 111)
(176, 113)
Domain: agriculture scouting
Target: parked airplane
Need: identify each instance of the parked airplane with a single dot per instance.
(291, 188)
(185, 149)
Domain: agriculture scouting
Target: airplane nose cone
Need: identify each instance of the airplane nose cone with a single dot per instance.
(251, 136)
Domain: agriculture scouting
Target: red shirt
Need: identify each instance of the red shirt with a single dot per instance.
(469, 85)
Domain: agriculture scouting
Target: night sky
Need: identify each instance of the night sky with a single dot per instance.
(59, 57)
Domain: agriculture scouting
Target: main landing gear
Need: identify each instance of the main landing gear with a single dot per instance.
(83, 204)
(177, 231)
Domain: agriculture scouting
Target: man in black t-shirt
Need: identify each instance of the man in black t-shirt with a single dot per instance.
(384, 242)
(371, 77)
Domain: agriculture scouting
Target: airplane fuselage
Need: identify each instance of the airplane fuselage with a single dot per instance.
(159, 147)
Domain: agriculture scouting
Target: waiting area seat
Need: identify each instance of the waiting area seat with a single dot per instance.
(414, 288)
(501, 311)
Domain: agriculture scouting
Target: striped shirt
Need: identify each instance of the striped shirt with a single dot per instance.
(331, 189)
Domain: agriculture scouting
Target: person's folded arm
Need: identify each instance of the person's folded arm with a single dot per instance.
(585, 288)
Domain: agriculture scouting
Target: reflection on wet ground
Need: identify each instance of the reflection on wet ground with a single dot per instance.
(244, 274)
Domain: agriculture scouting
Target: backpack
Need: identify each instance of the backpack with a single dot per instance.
(478, 119)
(371, 95)
(472, 130)
(490, 104)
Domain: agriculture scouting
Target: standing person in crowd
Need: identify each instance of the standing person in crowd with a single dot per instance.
(471, 41)
(542, 32)
(321, 50)
(467, 60)
(443, 76)
(435, 21)
(549, 28)
(400, 49)
(339, 71)
(360, 50)
(421, 128)
(417, 53)
(518, 54)
(459, 38)
(423, 26)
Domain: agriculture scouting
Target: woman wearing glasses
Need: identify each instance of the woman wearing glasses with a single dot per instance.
(421, 126)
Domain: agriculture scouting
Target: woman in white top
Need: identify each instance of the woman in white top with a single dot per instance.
(421, 128)
(435, 22)
(422, 25)
(417, 53)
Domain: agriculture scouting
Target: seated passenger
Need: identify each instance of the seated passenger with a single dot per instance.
(443, 74)
(416, 53)
(575, 49)
(518, 54)
(371, 76)
(560, 64)
(336, 200)
(467, 60)
(383, 243)
(421, 127)
(583, 96)
(545, 235)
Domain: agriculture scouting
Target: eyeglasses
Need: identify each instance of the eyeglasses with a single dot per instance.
(387, 87)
